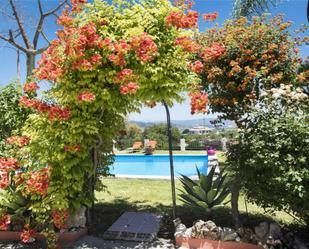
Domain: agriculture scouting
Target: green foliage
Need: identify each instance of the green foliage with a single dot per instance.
(12, 116)
(209, 191)
(71, 134)
(158, 133)
(13, 203)
(271, 158)
(129, 135)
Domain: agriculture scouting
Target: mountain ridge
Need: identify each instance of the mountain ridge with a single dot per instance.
(185, 124)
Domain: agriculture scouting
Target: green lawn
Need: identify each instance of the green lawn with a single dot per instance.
(123, 195)
(155, 195)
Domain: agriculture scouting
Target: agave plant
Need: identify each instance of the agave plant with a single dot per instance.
(209, 191)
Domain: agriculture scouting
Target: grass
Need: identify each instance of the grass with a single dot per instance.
(158, 193)
(155, 196)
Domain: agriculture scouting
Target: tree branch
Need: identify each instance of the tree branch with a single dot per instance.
(41, 50)
(20, 25)
(45, 37)
(43, 15)
(12, 42)
(51, 12)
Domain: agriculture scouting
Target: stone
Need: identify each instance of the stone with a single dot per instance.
(180, 229)
(261, 232)
(188, 233)
(205, 230)
(247, 235)
(292, 241)
(275, 231)
(228, 234)
(299, 244)
(77, 219)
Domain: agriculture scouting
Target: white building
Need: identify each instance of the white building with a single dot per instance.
(200, 130)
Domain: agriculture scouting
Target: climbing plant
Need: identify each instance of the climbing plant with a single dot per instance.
(243, 58)
(107, 60)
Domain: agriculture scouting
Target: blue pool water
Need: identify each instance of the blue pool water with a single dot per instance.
(158, 165)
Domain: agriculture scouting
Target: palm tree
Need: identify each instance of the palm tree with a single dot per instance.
(255, 7)
(252, 7)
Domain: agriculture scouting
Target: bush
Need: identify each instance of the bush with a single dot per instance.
(12, 116)
(158, 133)
(271, 158)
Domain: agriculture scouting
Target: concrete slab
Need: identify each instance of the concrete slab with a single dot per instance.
(135, 226)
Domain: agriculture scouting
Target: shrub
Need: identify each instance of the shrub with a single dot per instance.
(12, 116)
(271, 158)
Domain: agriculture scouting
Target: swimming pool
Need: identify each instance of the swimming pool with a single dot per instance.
(158, 165)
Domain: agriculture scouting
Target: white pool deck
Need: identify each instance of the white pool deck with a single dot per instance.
(151, 177)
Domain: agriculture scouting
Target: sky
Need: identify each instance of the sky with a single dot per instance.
(294, 10)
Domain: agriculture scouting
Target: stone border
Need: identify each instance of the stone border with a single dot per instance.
(65, 237)
(212, 244)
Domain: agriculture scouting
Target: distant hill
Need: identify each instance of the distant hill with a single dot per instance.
(184, 124)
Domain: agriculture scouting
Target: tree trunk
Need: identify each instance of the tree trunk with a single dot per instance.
(235, 189)
(18, 65)
(30, 63)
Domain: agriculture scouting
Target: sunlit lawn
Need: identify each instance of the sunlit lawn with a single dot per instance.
(123, 195)
(152, 193)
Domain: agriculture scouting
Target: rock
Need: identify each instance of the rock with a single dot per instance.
(180, 229)
(188, 233)
(228, 234)
(247, 235)
(299, 244)
(275, 231)
(78, 219)
(261, 232)
(205, 230)
(293, 242)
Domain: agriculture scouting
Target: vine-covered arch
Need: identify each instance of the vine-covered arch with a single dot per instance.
(108, 60)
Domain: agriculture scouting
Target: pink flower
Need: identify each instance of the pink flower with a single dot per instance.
(5, 221)
(181, 20)
(211, 16)
(199, 101)
(213, 52)
(187, 44)
(124, 76)
(21, 141)
(96, 59)
(86, 97)
(31, 87)
(8, 164)
(39, 182)
(129, 88)
(197, 67)
(145, 47)
(60, 218)
(4, 180)
(27, 235)
(74, 148)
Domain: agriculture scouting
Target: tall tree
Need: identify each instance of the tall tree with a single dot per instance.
(30, 47)
(252, 7)
(255, 7)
